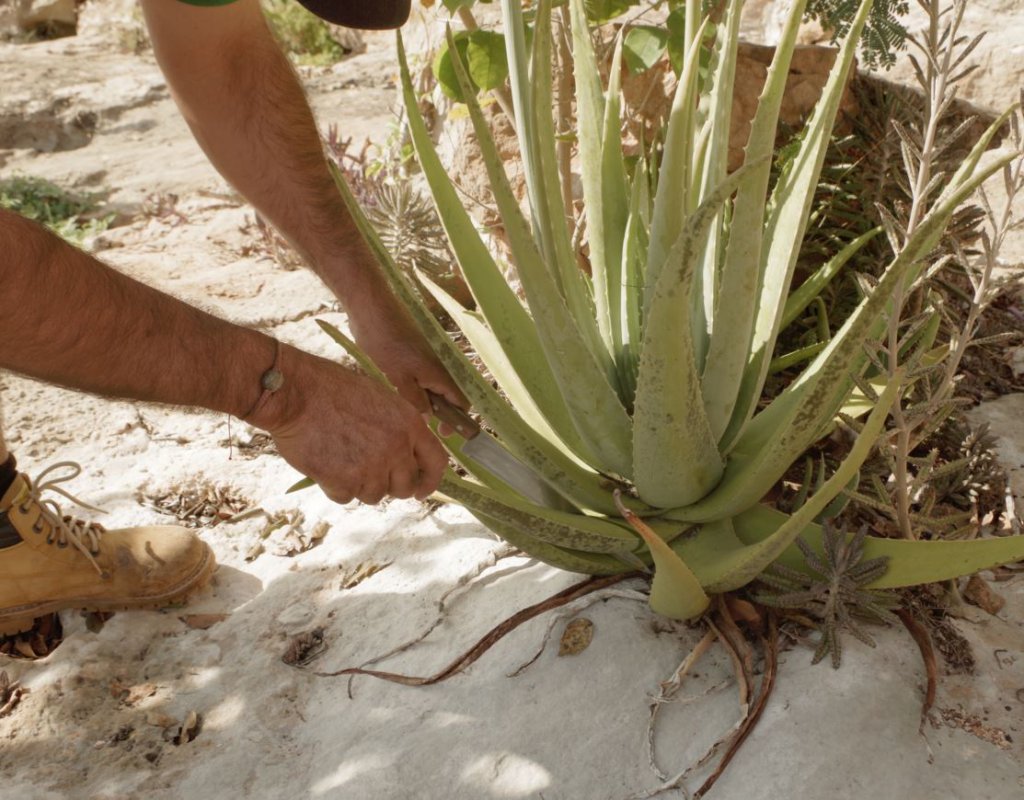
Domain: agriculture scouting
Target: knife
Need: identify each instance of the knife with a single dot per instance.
(491, 454)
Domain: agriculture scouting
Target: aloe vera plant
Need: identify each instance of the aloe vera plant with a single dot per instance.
(636, 390)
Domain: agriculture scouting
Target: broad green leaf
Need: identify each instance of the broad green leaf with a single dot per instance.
(486, 59)
(643, 46)
(483, 52)
(675, 25)
(444, 72)
(600, 11)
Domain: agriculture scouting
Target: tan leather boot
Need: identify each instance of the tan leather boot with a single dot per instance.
(49, 561)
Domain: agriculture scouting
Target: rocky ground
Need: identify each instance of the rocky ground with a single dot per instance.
(197, 701)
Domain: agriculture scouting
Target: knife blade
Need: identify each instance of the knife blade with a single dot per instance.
(492, 455)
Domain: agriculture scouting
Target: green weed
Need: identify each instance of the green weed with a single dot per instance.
(71, 216)
(302, 34)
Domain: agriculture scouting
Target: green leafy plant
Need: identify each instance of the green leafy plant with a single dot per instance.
(883, 35)
(484, 55)
(302, 33)
(634, 387)
(71, 216)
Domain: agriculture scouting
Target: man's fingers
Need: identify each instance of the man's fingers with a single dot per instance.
(340, 497)
(450, 392)
(432, 461)
(404, 481)
(413, 393)
(372, 493)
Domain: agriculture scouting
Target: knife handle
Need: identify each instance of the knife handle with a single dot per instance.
(454, 416)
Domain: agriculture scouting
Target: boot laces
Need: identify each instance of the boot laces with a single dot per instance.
(82, 535)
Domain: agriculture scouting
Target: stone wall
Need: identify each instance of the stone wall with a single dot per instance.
(996, 83)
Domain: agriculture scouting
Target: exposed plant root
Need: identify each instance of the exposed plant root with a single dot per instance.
(463, 583)
(771, 660)
(738, 663)
(924, 642)
(667, 691)
(572, 610)
(751, 711)
(739, 642)
(491, 637)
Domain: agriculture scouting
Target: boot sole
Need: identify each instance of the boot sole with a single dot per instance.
(20, 620)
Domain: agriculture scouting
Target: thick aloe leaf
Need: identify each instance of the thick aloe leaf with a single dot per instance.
(594, 405)
(573, 531)
(910, 563)
(590, 117)
(672, 198)
(708, 169)
(634, 254)
(787, 221)
(551, 217)
(605, 191)
(707, 549)
(740, 288)
(742, 566)
(356, 352)
(616, 201)
(489, 349)
(586, 489)
(794, 419)
(508, 320)
(552, 555)
(522, 96)
(676, 459)
(675, 590)
(720, 99)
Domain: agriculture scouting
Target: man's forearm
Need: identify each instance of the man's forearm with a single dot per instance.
(245, 106)
(67, 318)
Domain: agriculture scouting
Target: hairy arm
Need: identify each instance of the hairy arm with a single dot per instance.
(243, 101)
(67, 318)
